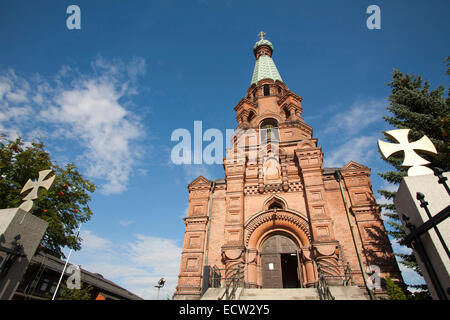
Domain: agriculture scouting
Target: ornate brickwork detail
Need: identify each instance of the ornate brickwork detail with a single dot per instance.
(327, 257)
(295, 186)
(253, 189)
(195, 220)
(271, 188)
(233, 259)
(270, 215)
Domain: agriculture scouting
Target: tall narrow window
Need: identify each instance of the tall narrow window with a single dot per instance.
(287, 113)
(250, 116)
(266, 90)
(269, 130)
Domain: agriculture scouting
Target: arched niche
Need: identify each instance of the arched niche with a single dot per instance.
(269, 131)
(275, 202)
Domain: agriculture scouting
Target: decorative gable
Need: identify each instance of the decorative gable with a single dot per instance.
(352, 165)
(355, 169)
(199, 183)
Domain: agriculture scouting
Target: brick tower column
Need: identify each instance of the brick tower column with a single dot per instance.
(233, 250)
(324, 245)
(193, 254)
(372, 238)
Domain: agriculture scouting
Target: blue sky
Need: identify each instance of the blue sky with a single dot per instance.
(109, 96)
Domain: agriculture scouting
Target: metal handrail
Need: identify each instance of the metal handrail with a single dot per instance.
(339, 271)
(232, 283)
(215, 277)
(345, 272)
(322, 286)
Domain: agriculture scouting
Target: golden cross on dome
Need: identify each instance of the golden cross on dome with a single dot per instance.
(261, 35)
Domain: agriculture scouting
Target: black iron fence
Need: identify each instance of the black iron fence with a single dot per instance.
(414, 240)
(230, 279)
(322, 285)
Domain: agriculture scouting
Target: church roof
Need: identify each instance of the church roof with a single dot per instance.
(261, 42)
(265, 67)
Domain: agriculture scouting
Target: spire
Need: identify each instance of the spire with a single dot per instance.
(264, 67)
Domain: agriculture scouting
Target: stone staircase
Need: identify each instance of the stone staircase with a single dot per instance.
(338, 292)
(348, 293)
(280, 294)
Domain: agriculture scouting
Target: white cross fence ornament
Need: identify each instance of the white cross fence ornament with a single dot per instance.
(411, 159)
(35, 185)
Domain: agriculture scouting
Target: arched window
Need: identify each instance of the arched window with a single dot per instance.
(266, 90)
(269, 130)
(287, 113)
(275, 205)
(250, 116)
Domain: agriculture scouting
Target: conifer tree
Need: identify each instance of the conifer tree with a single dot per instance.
(415, 106)
(394, 291)
(84, 293)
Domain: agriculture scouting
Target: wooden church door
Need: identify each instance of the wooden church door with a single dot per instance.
(274, 254)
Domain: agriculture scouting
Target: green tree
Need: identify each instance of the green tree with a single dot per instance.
(420, 295)
(64, 206)
(394, 291)
(415, 106)
(85, 293)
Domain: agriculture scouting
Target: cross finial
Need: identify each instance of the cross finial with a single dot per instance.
(411, 159)
(261, 35)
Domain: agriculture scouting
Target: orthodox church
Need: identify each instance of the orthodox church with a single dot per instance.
(279, 218)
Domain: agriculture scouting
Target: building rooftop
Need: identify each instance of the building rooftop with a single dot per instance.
(264, 67)
(110, 290)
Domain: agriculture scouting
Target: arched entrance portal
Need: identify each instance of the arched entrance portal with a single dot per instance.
(279, 262)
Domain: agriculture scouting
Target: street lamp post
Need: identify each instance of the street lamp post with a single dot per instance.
(161, 283)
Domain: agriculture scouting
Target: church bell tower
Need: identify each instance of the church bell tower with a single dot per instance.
(278, 218)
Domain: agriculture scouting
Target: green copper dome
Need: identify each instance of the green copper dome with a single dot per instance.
(265, 67)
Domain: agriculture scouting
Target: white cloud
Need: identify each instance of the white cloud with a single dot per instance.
(125, 223)
(360, 149)
(410, 277)
(5, 86)
(359, 116)
(135, 265)
(193, 171)
(13, 95)
(94, 115)
(136, 67)
(91, 242)
(91, 109)
(17, 97)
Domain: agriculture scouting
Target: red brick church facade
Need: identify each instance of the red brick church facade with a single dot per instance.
(279, 214)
